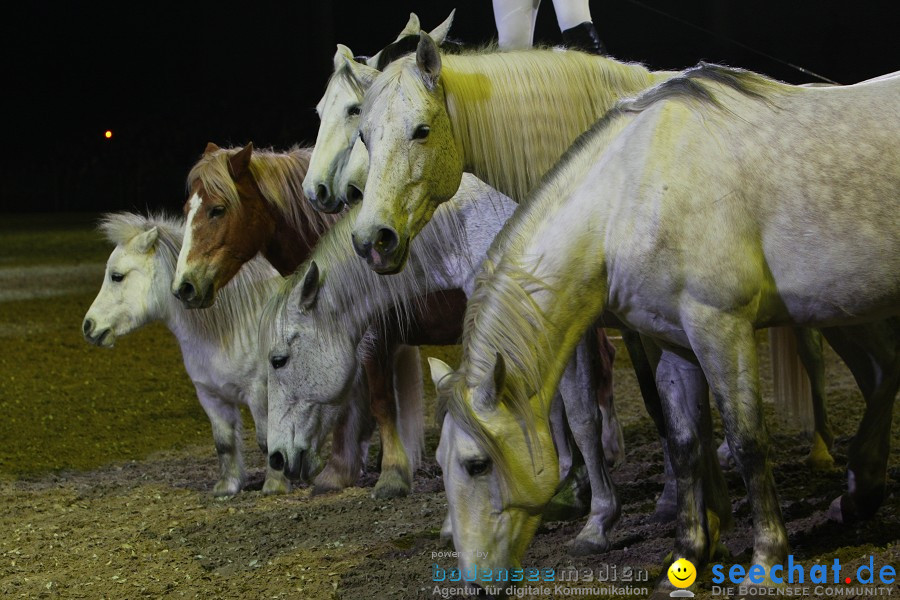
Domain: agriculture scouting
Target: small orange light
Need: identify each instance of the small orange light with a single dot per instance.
(108, 134)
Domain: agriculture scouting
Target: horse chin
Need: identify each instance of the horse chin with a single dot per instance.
(390, 265)
(106, 339)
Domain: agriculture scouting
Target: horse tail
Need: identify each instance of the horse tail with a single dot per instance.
(410, 394)
(791, 388)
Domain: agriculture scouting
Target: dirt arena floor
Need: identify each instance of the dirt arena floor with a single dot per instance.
(107, 462)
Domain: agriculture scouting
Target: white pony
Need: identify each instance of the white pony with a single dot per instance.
(715, 204)
(219, 345)
(338, 111)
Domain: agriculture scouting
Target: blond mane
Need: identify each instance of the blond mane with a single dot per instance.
(495, 99)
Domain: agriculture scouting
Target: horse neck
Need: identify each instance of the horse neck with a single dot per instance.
(231, 323)
(513, 114)
(355, 297)
(287, 248)
(297, 225)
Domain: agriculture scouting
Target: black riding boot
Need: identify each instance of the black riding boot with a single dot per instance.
(584, 37)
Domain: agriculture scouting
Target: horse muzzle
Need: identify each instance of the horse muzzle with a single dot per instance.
(323, 200)
(192, 295)
(302, 466)
(382, 251)
(97, 336)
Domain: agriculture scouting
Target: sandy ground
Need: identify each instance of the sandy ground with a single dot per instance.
(107, 463)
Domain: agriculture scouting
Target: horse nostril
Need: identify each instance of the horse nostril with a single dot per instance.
(354, 195)
(361, 248)
(87, 326)
(322, 194)
(186, 291)
(276, 461)
(387, 240)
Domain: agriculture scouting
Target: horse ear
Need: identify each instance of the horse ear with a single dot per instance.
(362, 73)
(339, 56)
(439, 370)
(428, 59)
(440, 33)
(210, 148)
(309, 289)
(146, 241)
(239, 162)
(413, 27)
(488, 392)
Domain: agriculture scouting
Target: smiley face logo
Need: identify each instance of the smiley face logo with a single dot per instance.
(682, 573)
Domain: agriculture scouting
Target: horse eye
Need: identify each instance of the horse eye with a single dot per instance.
(353, 111)
(278, 361)
(421, 132)
(216, 211)
(117, 277)
(477, 467)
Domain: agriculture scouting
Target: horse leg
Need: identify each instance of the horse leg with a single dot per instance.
(682, 387)
(729, 359)
(276, 482)
(811, 351)
(396, 472)
(573, 494)
(613, 438)
(225, 419)
(642, 361)
(578, 388)
(872, 352)
(349, 445)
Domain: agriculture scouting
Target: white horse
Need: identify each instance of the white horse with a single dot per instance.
(219, 345)
(338, 111)
(718, 203)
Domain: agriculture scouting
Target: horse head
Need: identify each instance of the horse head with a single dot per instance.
(226, 224)
(498, 478)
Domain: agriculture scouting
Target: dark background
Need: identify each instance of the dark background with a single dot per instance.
(168, 77)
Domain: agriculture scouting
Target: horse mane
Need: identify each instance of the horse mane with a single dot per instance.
(235, 314)
(280, 179)
(524, 88)
(352, 296)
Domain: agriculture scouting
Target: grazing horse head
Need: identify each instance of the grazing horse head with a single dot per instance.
(310, 374)
(129, 295)
(418, 160)
(339, 109)
(499, 466)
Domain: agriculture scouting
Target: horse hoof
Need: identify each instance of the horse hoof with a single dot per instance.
(274, 486)
(225, 488)
(584, 547)
(391, 484)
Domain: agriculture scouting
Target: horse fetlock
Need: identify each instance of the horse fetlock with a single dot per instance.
(393, 483)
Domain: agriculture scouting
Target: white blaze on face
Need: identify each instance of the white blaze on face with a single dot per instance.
(194, 204)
